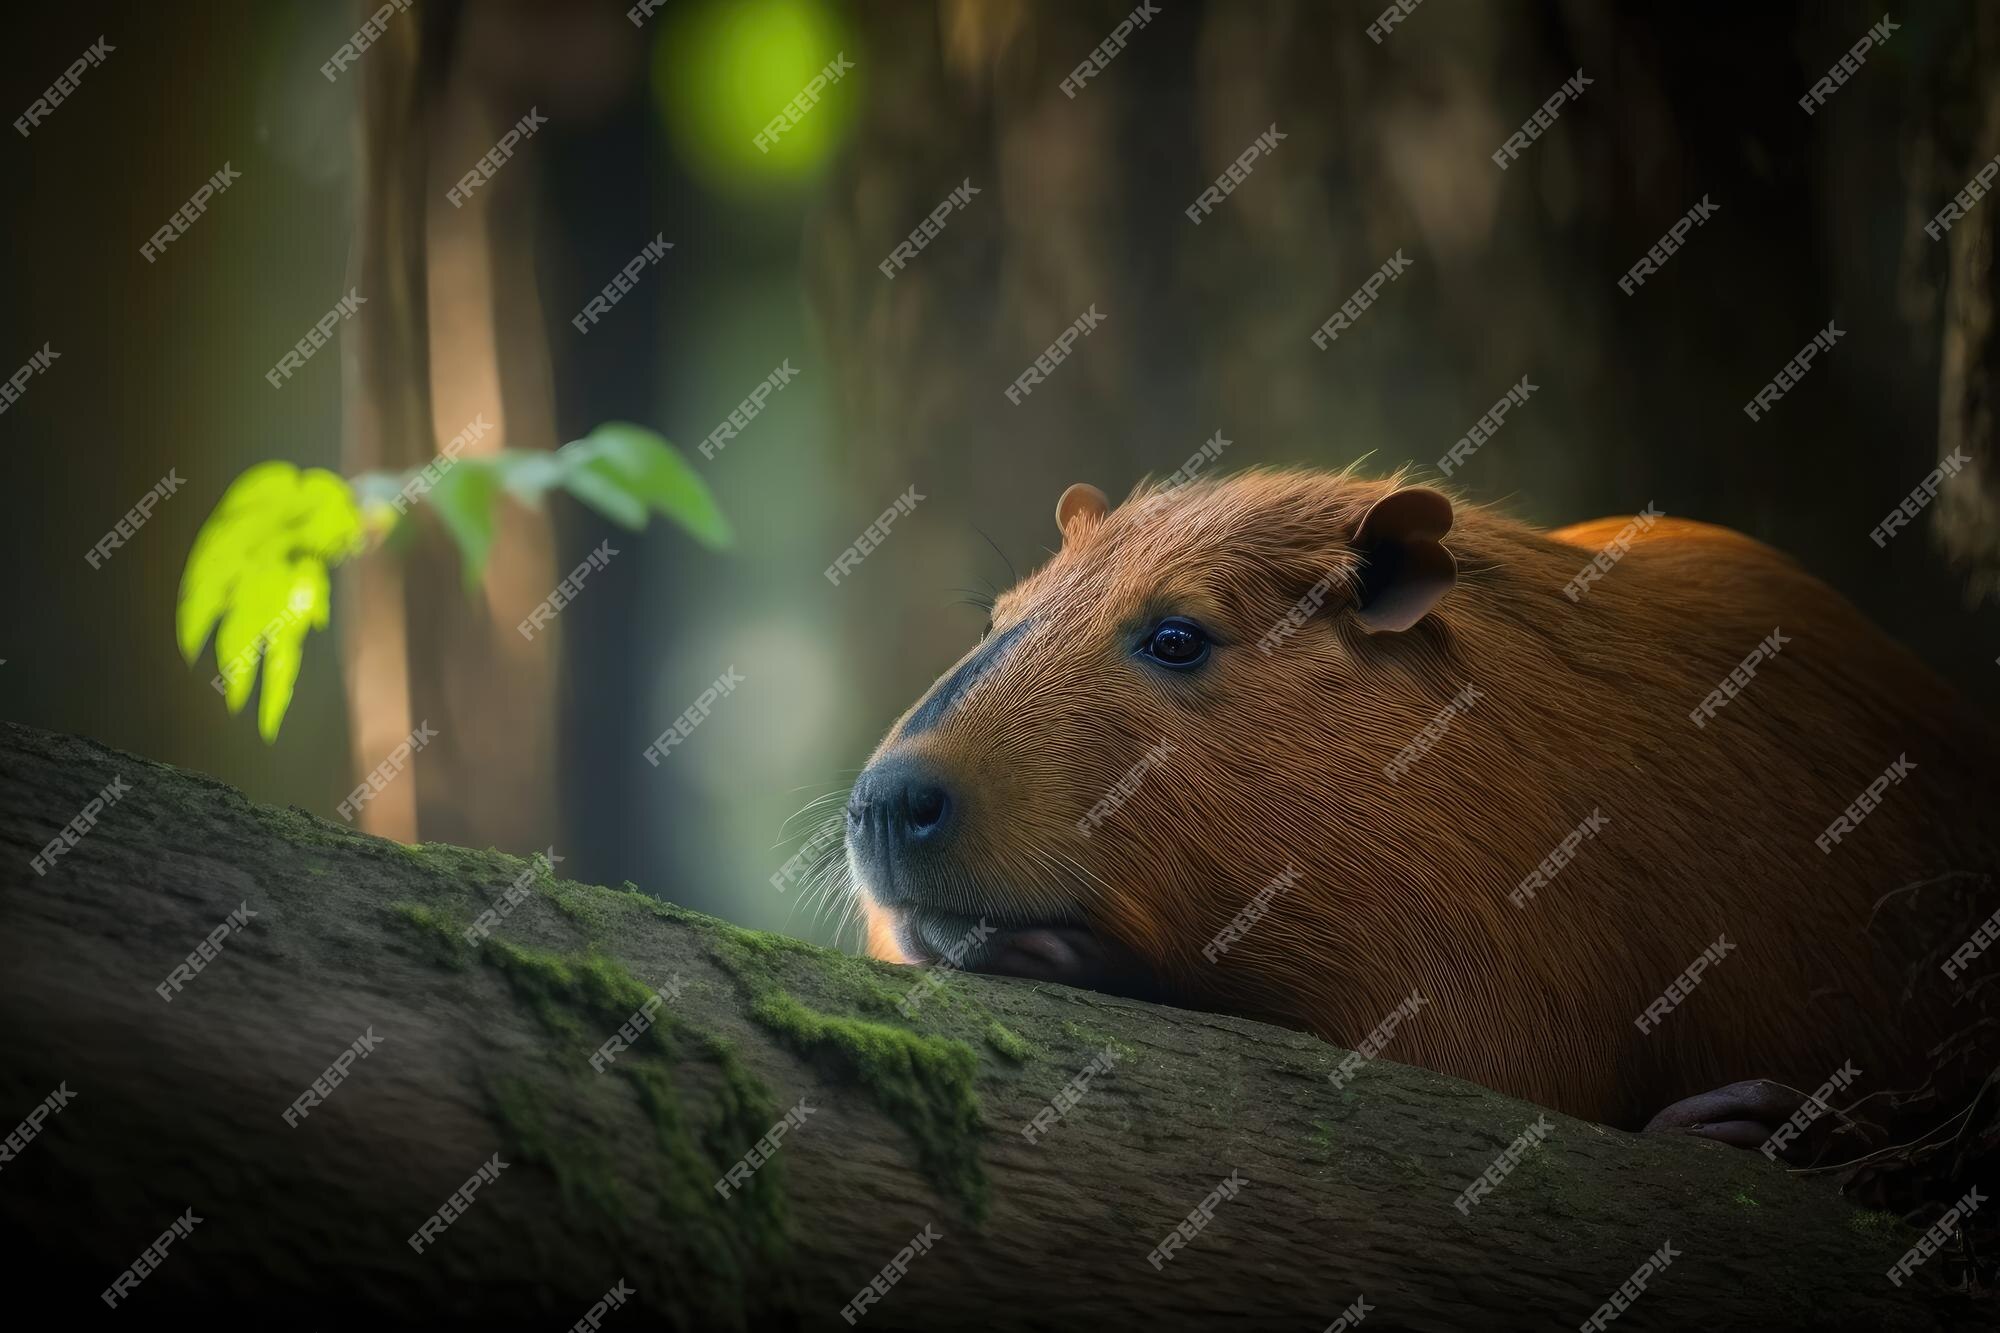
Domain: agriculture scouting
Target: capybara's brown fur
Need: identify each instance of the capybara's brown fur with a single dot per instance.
(1579, 706)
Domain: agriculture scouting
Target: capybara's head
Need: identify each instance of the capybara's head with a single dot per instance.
(1184, 715)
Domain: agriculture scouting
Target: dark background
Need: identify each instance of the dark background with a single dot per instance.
(901, 383)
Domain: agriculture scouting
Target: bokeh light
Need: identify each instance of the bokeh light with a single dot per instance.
(725, 70)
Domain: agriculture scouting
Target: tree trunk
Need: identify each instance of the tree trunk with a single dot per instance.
(176, 1087)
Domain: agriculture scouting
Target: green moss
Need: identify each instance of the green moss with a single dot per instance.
(924, 1083)
(584, 1173)
(441, 933)
(712, 1244)
(560, 991)
(1878, 1225)
(588, 906)
(1004, 1040)
(1744, 1200)
(1097, 1039)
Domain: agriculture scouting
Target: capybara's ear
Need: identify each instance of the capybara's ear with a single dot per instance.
(1405, 568)
(1081, 503)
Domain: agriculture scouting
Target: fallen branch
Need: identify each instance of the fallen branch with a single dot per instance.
(182, 1047)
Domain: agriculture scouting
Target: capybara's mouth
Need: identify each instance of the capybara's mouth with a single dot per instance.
(1067, 952)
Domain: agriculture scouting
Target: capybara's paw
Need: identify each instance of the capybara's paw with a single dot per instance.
(1744, 1115)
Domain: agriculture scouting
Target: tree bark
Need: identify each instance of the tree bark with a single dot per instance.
(177, 1087)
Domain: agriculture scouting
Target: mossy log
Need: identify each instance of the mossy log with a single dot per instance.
(178, 1105)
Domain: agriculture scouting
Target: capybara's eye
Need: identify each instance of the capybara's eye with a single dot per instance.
(1177, 643)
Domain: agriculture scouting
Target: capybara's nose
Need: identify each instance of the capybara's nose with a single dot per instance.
(898, 806)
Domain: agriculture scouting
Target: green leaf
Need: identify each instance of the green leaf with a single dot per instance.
(306, 601)
(654, 473)
(463, 496)
(257, 578)
(527, 474)
(599, 485)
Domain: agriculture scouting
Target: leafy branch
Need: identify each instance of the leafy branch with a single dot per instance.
(258, 574)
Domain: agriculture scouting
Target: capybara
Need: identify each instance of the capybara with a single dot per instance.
(1603, 815)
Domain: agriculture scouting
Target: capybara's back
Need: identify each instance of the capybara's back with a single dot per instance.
(1797, 798)
(1601, 818)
